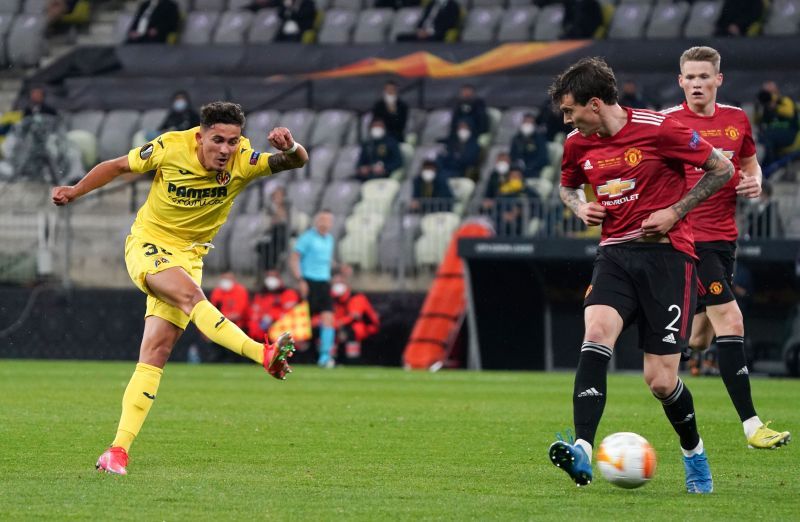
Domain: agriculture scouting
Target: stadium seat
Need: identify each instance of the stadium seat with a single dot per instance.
(629, 21)
(209, 5)
(121, 26)
(340, 196)
(405, 21)
(345, 166)
(86, 143)
(462, 191)
(509, 124)
(265, 26)
(331, 127)
(373, 25)
(152, 119)
(365, 225)
(352, 5)
(481, 24)
(321, 160)
(232, 27)
(34, 6)
(89, 121)
(247, 229)
(783, 18)
(396, 242)
(667, 20)
(10, 6)
(437, 230)
(300, 122)
(548, 23)
(236, 5)
(337, 27)
(258, 125)
(5, 26)
(117, 132)
(415, 124)
(437, 126)
(304, 195)
(487, 3)
(515, 26)
(199, 27)
(555, 151)
(377, 196)
(703, 19)
(518, 3)
(26, 42)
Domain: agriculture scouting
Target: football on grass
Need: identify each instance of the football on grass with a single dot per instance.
(626, 460)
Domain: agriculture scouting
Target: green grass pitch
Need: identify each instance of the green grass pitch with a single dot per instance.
(225, 442)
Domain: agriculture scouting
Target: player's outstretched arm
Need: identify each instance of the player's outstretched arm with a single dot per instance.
(292, 155)
(718, 169)
(750, 184)
(591, 213)
(100, 175)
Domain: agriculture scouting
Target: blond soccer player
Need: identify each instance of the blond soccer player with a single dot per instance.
(199, 172)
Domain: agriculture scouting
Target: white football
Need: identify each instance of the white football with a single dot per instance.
(626, 460)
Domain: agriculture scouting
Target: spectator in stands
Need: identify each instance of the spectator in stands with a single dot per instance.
(777, 120)
(438, 17)
(255, 5)
(552, 122)
(380, 154)
(529, 147)
(630, 96)
(763, 221)
(154, 21)
(37, 105)
(513, 202)
(502, 164)
(181, 115)
(57, 9)
(311, 264)
(392, 111)
(233, 301)
(582, 18)
(737, 16)
(462, 154)
(275, 240)
(354, 317)
(269, 304)
(471, 109)
(298, 17)
(431, 191)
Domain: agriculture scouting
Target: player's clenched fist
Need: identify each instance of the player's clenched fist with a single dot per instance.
(592, 213)
(63, 195)
(280, 138)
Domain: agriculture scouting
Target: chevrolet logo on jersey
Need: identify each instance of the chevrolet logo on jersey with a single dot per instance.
(615, 187)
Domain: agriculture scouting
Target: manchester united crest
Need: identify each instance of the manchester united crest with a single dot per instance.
(633, 156)
(223, 178)
(715, 288)
(732, 132)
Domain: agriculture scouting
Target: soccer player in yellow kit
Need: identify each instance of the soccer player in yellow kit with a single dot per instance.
(199, 172)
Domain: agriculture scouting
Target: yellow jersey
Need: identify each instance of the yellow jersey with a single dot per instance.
(188, 204)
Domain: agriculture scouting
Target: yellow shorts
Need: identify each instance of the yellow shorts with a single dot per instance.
(144, 257)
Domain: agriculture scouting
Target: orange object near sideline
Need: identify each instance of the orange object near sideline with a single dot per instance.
(444, 308)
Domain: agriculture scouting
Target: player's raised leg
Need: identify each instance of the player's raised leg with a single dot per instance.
(157, 342)
(603, 326)
(727, 321)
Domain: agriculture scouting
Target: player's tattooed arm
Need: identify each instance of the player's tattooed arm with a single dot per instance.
(292, 155)
(571, 198)
(719, 170)
(282, 161)
(591, 213)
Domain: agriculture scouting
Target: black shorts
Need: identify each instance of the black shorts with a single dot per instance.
(319, 296)
(715, 270)
(651, 284)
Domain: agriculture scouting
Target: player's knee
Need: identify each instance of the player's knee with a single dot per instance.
(699, 341)
(662, 384)
(599, 333)
(189, 298)
(156, 353)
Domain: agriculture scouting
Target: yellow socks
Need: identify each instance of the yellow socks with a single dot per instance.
(136, 403)
(220, 330)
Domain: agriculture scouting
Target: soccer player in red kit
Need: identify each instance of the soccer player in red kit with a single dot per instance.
(644, 272)
(714, 226)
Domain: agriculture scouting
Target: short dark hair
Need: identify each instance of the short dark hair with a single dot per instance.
(222, 112)
(586, 79)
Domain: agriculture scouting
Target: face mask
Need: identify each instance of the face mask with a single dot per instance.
(428, 175)
(272, 283)
(226, 285)
(502, 167)
(377, 132)
(390, 99)
(464, 134)
(527, 129)
(339, 289)
(179, 105)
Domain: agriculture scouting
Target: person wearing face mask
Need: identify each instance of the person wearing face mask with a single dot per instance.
(392, 111)
(529, 147)
(269, 304)
(462, 154)
(233, 301)
(380, 154)
(431, 192)
(497, 177)
(354, 317)
(181, 115)
(298, 17)
(471, 109)
(513, 203)
(438, 17)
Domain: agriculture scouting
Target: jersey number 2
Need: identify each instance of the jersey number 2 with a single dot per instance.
(671, 326)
